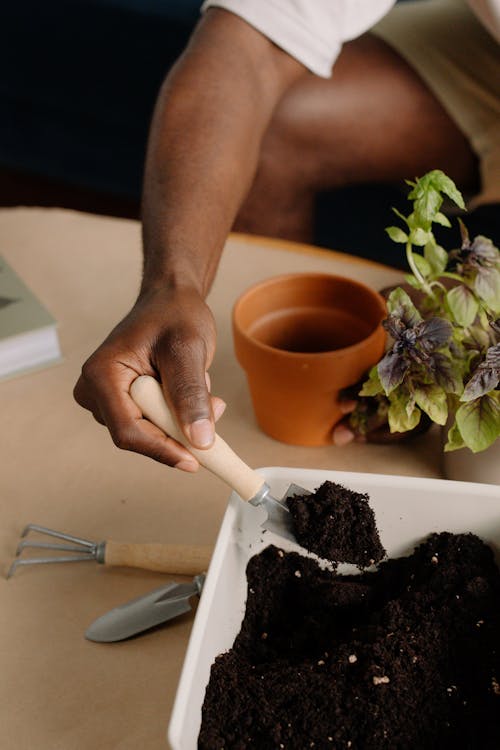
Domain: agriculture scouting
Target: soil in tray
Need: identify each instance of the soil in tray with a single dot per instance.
(403, 658)
(337, 524)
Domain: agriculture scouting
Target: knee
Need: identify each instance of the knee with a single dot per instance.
(312, 138)
(279, 167)
(280, 196)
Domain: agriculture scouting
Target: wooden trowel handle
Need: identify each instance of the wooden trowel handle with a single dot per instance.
(220, 459)
(177, 559)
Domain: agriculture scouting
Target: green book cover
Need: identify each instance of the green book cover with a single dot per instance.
(20, 310)
(28, 337)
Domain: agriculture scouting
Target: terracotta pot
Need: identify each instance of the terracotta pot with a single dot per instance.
(301, 338)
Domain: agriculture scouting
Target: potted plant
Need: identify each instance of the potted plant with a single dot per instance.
(444, 358)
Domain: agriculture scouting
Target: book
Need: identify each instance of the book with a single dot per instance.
(28, 332)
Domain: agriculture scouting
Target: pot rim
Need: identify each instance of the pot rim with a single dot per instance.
(251, 341)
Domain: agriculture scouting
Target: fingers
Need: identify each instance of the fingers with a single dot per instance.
(342, 435)
(170, 336)
(348, 406)
(104, 390)
(218, 407)
(83, 398)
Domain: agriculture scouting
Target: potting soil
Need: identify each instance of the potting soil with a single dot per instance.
(403, 658)
(337, 524)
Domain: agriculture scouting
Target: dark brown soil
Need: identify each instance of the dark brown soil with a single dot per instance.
(337, 524)
(404, 658)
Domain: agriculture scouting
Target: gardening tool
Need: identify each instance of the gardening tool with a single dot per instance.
(177, 559)
(145, 611)
(220, 459)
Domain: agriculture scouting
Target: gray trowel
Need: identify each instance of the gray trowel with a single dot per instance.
(145, 612)
(220, 459)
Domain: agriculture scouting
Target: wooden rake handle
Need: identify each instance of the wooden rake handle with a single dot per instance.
(177, 559)
(220, 459)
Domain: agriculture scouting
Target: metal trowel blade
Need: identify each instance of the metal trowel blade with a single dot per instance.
(279, 519)
(144, 612)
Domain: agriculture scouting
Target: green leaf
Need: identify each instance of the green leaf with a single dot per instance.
(479, 421)
(477, 336)
(412, 281)
(396, 234)
(455, 439)
(440, 218)
(398, 417)
(412, 220)
(372, 386)
(400, 304)
(426, 204)
(463, 305)
(487, 287)
(440, 181)
(419, 237)
(410, 404)
(436, 257)
(432, 400)
(427, 198)
(422, 265)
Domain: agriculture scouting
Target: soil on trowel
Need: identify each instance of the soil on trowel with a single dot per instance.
(337, 524)
(403, 658)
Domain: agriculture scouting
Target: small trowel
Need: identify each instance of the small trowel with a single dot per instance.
(220, 459)
(145, 612)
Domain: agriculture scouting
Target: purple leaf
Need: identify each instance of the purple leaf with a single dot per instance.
(394, 326)
(446, 373)
(484, 251)
(392, 370)
(486, 376)
(434, 333)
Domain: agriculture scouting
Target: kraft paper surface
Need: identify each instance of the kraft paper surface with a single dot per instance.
(60, 469)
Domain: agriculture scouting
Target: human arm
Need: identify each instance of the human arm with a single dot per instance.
(207, 127)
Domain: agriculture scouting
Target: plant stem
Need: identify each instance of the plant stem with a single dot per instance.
(421, 279)
(450, 275)
(411, 263)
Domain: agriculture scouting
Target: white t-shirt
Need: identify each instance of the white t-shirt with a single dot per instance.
(313, 31)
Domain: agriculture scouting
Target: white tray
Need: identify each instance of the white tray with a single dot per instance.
(407, 509)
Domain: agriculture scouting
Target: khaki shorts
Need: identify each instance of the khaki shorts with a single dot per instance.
(460, 62)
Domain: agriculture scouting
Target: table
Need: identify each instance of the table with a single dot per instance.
(60, 469)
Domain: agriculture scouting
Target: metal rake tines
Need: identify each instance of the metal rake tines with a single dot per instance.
(84, 549)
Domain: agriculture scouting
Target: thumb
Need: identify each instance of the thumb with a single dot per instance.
(185, 388)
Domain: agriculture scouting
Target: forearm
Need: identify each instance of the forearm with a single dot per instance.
(210, 117)
(209, 120)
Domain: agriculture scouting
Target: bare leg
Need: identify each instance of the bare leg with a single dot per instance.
(373, 121)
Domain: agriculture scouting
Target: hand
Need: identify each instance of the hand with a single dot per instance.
(370, 413)
(171, 336)
(369, 425)
(343, 433)
(366, 421)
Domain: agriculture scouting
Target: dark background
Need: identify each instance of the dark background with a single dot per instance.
(77, 89)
